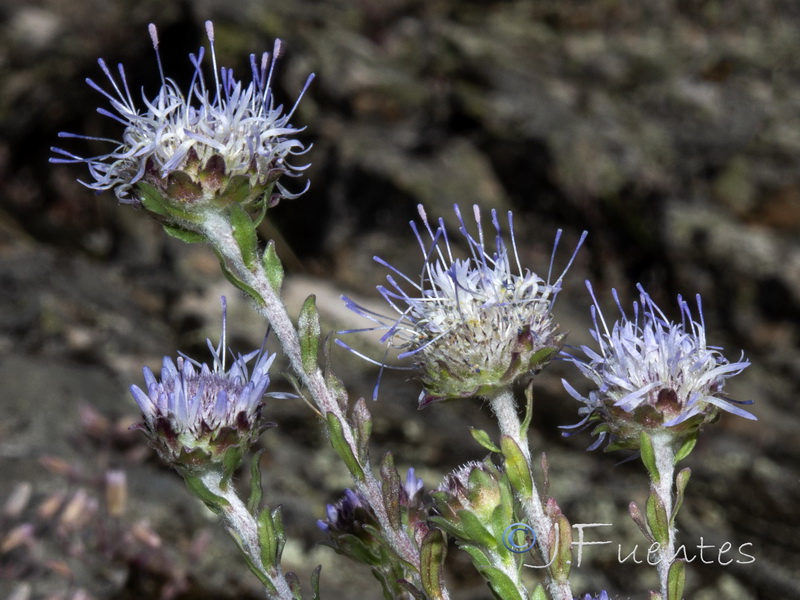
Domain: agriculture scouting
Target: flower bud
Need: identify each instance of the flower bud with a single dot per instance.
(199, 415)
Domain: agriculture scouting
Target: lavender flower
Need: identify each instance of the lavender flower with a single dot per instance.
(199, 415)
(227, 143)
(603, 595)
(651, 374)
(471, 325)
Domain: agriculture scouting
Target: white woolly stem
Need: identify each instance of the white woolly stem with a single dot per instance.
(274, 311)
(244, 529)
(665, 463)
(504, 407)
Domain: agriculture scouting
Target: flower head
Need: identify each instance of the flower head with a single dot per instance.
(472, 325)
(652, 374)
(199, 415)
(219, 142)
(351, 520)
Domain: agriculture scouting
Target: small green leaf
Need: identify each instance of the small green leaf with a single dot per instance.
(273, 267)
(641, 522)
(215, 504)
(681, 481)
(231, 459)
(528, 411)
(152, 199)
(184, 235)
(545, 476)
(685, 449)
(315, 583)
(657, 518)
(229, 275)
(519, 473)
(475, 530)
(254, 499)
(483, 439)
(432, 554)
(339, 443)
(676, 580)
(267, 540)
(390, 488)
(294, 585)
(309, 330)
(539, 593)
(563, 557)
(649, 456)
(363, 421)
(479, 559)
(280, 533)
(502, 585)
(245, 235)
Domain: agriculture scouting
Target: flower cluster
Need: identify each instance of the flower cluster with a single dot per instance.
(472, 325)
(228, 142)
(651, 373)
(351, 520)
(199, 415)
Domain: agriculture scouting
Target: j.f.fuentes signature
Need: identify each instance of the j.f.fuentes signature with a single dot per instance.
(652, 555)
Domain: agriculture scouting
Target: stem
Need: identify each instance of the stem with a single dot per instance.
(244, 529)
(665, 464)
(218, 231)
(504, 407)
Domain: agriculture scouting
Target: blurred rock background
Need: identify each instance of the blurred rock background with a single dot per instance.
(669, 130)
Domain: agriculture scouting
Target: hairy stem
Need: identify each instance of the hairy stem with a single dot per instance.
(274, 312)
(504, 407)
(665, 463)
(244, 529)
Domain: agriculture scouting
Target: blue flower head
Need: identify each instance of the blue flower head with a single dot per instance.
(471, 325)
(221, 141)
(199, 415)
(652, 374)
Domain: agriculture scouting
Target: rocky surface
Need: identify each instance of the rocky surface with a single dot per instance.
(669, 130)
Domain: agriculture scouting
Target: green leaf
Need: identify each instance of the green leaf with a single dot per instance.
(502, 585)
(152, 199)
(267, 540)
(681, 481)
(245, 235)
(294, 585)
(231, 459)
(432, 554)
(273, 267)
(563, 558)
(539, 593)
(363, 422)
(528, 411)
(483, 439)
(215, 504)
(280, 533)
(390, 490)
(676, 580)
(309, 330)
(254, 499)
(641, 522)
(479, 558)
(685, 449)
(315, 583)
(184, 235)
(229, 275)
(517, 468)
(475, 531)
(339, 443)
(657, 518)
(649, 456)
